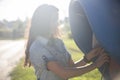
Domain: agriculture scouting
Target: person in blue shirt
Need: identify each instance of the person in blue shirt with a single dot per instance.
(46, 52)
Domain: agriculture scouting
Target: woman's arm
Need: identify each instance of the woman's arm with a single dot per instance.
(69, 72)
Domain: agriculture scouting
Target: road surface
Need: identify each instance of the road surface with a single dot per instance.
(11, 51)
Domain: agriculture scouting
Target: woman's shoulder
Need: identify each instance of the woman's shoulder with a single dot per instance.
(39, 49)
(38, 44)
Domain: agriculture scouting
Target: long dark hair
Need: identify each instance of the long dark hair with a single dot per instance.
(42, 18)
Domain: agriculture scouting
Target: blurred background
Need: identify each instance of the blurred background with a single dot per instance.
(15, 18)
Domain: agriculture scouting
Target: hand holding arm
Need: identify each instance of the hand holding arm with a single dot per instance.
(103, 58)
(87, 58)
(69, 72)
(93, 53)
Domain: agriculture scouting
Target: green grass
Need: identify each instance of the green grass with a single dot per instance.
(21, 73)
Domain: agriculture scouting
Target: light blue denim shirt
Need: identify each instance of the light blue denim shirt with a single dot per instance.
(38, 50)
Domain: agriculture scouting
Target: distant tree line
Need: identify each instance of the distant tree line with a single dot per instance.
(19, 29)
(13, 29)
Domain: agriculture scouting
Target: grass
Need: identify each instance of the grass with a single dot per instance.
(21, 73)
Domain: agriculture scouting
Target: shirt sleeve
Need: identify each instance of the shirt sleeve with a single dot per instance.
(39, 56)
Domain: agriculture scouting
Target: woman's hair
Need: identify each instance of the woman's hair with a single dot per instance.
(41, 25)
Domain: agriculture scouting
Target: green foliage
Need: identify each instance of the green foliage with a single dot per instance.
(21, 73)
(12, 29)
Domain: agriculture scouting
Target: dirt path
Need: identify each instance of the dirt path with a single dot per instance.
(10, 53)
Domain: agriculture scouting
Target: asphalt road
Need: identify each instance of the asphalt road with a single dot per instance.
(11, 51)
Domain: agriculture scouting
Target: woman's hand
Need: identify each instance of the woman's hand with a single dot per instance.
(93, 53)
(103, 58)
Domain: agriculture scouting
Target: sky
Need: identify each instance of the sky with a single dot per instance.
(21, 9)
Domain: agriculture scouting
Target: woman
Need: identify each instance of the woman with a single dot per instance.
(47, 52)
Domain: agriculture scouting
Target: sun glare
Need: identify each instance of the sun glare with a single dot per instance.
(14, 9)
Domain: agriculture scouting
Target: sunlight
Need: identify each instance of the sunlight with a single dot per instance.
(14, 9)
